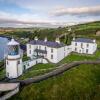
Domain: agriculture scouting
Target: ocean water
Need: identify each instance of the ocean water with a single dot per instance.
(3, 47)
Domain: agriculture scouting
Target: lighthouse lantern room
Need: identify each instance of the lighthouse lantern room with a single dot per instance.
(13, 60)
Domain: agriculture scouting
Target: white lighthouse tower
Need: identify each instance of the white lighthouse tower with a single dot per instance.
(14, 66)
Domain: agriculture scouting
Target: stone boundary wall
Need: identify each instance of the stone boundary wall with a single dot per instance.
(55, 72)
(9, 94)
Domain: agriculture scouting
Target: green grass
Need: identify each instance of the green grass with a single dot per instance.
(25, 58)
(36, 70)
(81, 83)
(2, 73)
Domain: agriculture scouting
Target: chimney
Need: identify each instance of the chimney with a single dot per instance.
(73, 38)
(57, 40)
(94, 40)
(45, 40)
(35, 38)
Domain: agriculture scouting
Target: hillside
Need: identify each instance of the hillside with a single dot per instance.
(88, 29)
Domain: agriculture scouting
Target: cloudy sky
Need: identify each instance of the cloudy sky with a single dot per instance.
(28, 13)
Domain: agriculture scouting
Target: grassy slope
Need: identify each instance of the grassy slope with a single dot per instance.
(79, 83)
(36, 70)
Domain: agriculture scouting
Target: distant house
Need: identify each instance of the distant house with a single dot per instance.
(84, 45)
(53, 51)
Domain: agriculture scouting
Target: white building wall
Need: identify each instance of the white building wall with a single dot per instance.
(30, 49)
(49, 54)
(30, 63)
(13, 69)
(82, 49)
(58, 53)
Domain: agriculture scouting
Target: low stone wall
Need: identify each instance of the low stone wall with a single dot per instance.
(55, 72)
(9, 94)
(28, 64)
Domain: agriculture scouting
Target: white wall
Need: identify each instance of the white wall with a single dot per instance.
(58, 53)
(30, 63)
(91, 48)
(13, 68)
(63, 52)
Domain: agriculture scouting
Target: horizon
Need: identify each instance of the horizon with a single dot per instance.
(47, 13)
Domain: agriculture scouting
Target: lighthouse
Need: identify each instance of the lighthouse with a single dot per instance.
(13, 60)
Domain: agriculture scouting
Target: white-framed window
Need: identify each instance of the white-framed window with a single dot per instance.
(87, 50)
(52, 50)
(51, 56)
(75, 49)
(81, 45)
(87, 45)
(75, 44)
(45, 48)
(19, 62)
(30, 51)
(64, 48)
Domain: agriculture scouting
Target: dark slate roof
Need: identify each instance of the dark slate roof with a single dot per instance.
(84, 40)
(48, 43)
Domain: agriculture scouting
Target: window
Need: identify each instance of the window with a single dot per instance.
(19, 62)
(30, 51)
(51, 50)
(81, 45)
(51, 56)
(45, 48)
(86, 50)
(64, 54)
(75, 44)
(64, 48)
(87, 45)
(75, 49)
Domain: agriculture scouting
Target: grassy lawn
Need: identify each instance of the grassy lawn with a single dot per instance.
(2, 73)
(37, 69)
(80, 83)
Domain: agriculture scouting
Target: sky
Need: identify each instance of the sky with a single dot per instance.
(47, 13)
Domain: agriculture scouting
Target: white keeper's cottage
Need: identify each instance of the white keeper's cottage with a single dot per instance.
(53, 51)
(84, 45)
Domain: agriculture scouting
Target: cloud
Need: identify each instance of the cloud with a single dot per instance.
(8, 19)
(81, 11)
(26, 19)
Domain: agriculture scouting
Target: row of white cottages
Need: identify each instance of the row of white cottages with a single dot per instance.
(56, 51)
(43, 51)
